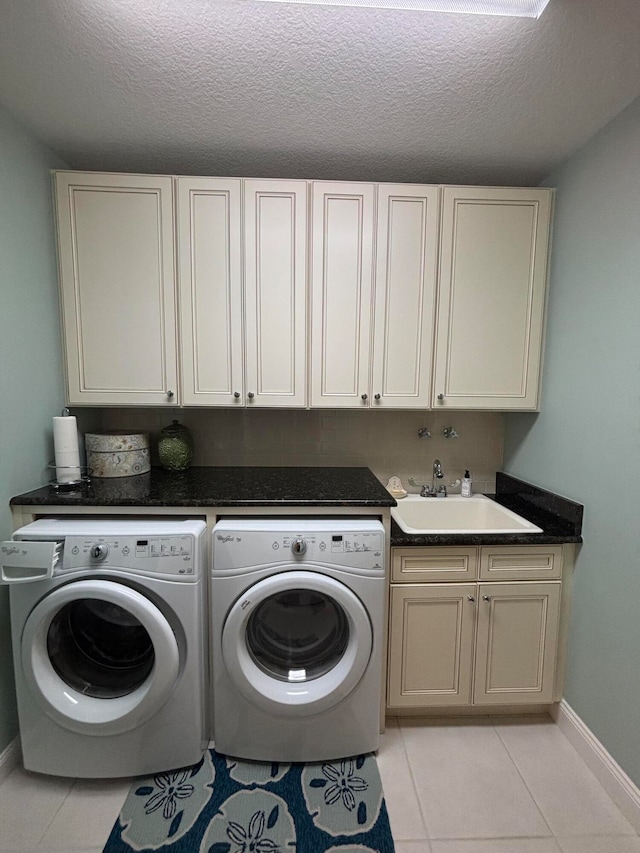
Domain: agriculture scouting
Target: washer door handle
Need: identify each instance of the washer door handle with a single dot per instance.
(77, 711)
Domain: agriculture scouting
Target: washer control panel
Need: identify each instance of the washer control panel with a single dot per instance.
(165, 555)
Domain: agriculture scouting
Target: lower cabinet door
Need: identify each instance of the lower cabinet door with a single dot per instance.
(431, 644)
(516, 644)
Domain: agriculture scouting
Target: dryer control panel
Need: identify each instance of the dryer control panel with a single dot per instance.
(355, 545)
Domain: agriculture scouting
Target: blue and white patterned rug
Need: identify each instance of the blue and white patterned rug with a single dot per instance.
(224, 805)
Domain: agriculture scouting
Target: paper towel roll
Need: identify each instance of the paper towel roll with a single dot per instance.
(67, 454)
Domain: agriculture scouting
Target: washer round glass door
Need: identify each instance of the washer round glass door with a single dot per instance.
(297, 642)
(99, 657)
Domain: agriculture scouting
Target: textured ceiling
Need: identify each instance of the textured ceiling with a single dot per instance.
(238, 87)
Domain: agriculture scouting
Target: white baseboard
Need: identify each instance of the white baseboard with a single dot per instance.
(10, 758)
(622, 790)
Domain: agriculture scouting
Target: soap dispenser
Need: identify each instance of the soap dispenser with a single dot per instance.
(465, 489)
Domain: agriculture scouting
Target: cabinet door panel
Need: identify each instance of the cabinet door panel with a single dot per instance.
(210, 282)
(405, 288)
(493, 272)
(275, 292)
(115, 237)
(431, 643)
(516, 643)
(341, 270)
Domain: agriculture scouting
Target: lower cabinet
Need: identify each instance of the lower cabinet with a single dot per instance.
(473, 643)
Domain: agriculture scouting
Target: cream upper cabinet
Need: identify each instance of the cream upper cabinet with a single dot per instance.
(242, 346)
(395, 296)
(117, 285)
(210, 290)
(372, 323)
(275, 231)
(341, 291)
(405, 295)
(492, 283)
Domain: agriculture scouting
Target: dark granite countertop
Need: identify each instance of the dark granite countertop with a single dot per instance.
(559, 518)
(224, 486)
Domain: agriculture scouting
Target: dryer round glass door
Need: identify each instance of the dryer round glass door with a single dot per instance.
(297, 642)
(99, 657)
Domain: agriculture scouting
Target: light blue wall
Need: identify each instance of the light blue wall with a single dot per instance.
(31, 388)
(585, 442)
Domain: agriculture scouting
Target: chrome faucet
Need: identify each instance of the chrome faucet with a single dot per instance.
(437, 473)
(432, 490)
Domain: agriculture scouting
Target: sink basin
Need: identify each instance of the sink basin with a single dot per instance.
(454, 514)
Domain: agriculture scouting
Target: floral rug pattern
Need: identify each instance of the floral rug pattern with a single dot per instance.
(224, 805)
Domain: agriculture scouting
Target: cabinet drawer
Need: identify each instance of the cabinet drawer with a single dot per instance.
(420, 565)
(520, 562)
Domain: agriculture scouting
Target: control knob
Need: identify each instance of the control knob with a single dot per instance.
(298, 546)
(99, 551)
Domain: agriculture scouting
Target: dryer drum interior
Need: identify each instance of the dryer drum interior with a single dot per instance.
(298, 634)
(99, 648)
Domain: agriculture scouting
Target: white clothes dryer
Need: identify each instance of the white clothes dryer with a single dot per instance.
(109, 644)
(297, 615)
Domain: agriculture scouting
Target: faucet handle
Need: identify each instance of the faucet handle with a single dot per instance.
(423, 432)
(426, 489)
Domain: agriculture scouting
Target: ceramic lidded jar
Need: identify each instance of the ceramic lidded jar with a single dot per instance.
(175, 447)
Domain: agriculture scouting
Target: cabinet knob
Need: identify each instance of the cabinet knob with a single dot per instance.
(251, 395)
(169, 394)
(236, 394)
(364, 396)
(486, 598)
(441, 397)
(377, 396)
(471, 598)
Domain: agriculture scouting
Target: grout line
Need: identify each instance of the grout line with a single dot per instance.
(55, 814)
(485, 838)
(425, 822)
(588, 772)
(519, 772)
(415, 790)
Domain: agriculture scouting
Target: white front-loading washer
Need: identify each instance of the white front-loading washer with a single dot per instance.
(109, 644)
(297, 615)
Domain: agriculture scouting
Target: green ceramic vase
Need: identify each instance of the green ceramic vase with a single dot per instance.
(175, 447)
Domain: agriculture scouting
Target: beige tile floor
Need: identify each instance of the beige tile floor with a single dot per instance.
(495, 785)
(487, 785)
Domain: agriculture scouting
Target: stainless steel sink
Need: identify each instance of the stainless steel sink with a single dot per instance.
(454, 514)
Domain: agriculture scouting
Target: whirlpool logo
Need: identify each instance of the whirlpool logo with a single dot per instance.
(225, 539)
(7, 550)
